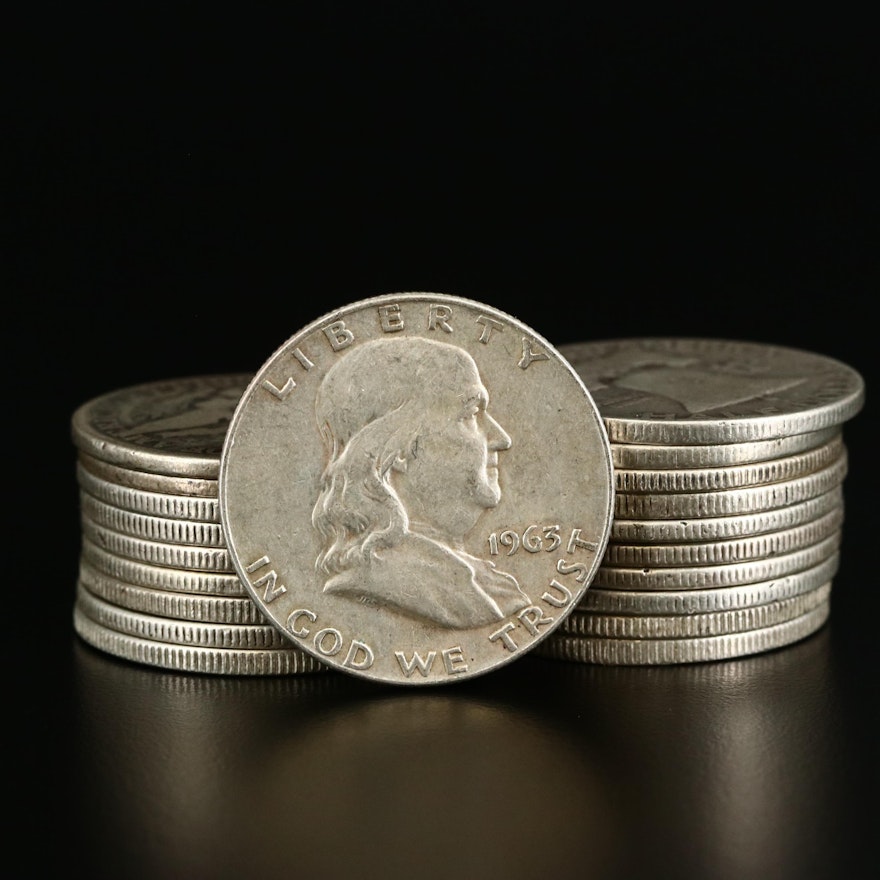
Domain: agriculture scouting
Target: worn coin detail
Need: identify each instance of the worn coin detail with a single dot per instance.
(416, 488)
(174, 427)
(689, 391)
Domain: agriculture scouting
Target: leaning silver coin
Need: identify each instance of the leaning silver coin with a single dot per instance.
(400, 480)
(714, 391)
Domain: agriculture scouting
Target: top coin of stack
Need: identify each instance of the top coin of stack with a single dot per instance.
(729, 463)
(155, 584)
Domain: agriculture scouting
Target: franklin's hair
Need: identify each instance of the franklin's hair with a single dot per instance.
(370, 409)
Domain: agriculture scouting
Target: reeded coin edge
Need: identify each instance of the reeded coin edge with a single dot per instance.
(158, 628)
(214, 661)
(620, 652)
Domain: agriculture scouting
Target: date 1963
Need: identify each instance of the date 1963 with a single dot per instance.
(536, 538)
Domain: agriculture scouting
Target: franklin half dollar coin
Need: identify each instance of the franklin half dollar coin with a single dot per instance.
(416, 488)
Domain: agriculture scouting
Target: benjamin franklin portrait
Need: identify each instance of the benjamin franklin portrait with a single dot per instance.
(412, 458)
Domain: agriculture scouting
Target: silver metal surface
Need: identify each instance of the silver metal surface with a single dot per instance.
(177, 631)
(731, 502)
(685, 626)
(681, 391)
(738, 476)
(159, 577)
(701, 577)
(720, 528)
(153, 528)
(643, 456)
(383, 461)
(650, 652)
(173, 427)
(184, 658)
(146, 481)
(198, 508)
(180, 556)
(200, 607)
(723, 552)
(700, 601)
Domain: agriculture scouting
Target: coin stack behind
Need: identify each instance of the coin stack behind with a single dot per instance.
(156, 584)
(729, 467)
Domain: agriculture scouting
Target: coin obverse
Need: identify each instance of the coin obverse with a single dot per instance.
(416, 488)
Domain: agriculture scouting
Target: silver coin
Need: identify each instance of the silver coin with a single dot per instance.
(688, 626)
(180, 658)
(651, 652)
(161, 577)
(642, 456)
(738, 476)
(196, 508)
(159, 628)
(381, 461)
(684, 391)
(720, 528)
(166, 603)
(144, 481)
(650, 602)
(157, 552)
(731, 502)
(153, 528)
(723, 552)
(173, 427)
(702, 577)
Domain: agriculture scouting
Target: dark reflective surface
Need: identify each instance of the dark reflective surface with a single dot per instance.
(722, 770)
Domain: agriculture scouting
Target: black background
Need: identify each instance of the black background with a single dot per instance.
(189, 185)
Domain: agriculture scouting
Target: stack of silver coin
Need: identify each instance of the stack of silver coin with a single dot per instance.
(729, 467)
(156, 585)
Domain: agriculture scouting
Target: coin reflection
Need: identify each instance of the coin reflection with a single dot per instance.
(207, 776)
(723, 768)
(544, 767)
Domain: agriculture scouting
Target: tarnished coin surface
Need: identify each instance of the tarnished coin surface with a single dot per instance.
(416, 488)
(714, 391)
(174, 427)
